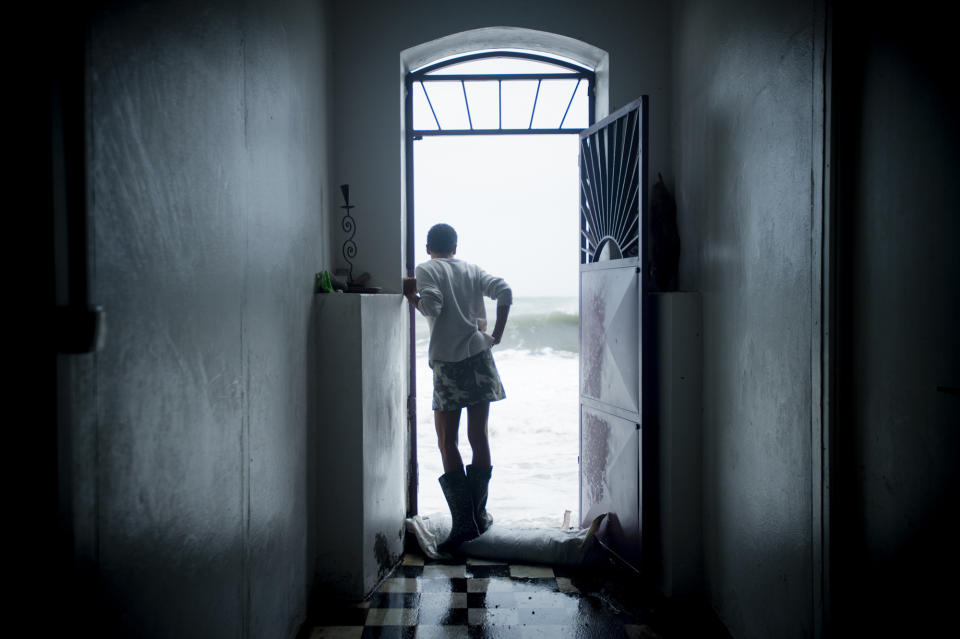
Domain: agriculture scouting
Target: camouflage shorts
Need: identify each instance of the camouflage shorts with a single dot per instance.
(470, 381)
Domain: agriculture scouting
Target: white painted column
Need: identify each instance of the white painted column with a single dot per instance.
(678, 345)
(363, 422)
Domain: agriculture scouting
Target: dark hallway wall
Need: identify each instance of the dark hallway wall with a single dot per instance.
(185, 438)
(896, 435)
(743, 131)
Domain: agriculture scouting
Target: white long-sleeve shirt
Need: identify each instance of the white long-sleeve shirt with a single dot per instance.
(451, 298)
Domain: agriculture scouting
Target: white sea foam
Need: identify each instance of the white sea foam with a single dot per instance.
(533, 432)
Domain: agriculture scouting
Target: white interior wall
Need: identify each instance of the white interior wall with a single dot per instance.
(186, 440)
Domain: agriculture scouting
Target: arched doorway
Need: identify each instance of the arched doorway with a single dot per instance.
(451, 90)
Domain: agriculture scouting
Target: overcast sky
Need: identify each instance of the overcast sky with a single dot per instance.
(512, 199)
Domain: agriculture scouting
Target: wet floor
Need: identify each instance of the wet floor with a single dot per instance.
(476, 598)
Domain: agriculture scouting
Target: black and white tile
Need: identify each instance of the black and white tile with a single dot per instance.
(478, 599)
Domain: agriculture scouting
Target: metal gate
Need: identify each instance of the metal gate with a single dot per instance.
(613, 241)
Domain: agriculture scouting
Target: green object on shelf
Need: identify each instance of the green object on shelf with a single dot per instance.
(322, 283)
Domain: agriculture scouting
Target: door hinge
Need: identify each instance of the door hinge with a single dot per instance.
(411, 408)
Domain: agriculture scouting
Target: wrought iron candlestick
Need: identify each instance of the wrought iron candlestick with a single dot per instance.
(349, 225)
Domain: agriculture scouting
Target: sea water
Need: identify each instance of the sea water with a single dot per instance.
(533, 432)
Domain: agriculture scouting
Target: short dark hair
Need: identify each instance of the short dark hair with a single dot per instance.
(442, 239)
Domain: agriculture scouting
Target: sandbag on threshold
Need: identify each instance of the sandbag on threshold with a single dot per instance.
(502, 542)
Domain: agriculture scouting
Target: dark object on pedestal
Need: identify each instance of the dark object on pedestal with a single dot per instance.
(359, 285)
(664, 239)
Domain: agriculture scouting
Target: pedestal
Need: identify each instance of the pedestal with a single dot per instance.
(361, 458)
(678, 417)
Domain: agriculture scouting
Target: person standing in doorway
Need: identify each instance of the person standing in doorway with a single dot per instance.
(449, 293)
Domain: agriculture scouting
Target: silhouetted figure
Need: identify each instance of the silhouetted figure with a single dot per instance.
(451, 294)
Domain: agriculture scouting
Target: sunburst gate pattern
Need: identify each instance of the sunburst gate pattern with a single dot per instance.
(612, 176)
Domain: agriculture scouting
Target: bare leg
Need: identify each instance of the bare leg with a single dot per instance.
(447, 423)
(477, 417)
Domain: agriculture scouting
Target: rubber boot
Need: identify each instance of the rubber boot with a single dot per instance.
(457, 493)
(478, 479)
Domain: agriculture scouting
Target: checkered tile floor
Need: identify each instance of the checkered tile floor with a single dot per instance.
(478, 599)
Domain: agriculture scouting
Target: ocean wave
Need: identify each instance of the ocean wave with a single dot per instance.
(539, 333)
(539, 319)
(542, 332)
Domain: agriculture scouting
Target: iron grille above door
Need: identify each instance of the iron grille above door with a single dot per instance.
(458, 97)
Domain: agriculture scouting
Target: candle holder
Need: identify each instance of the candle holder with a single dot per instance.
(349, 225)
